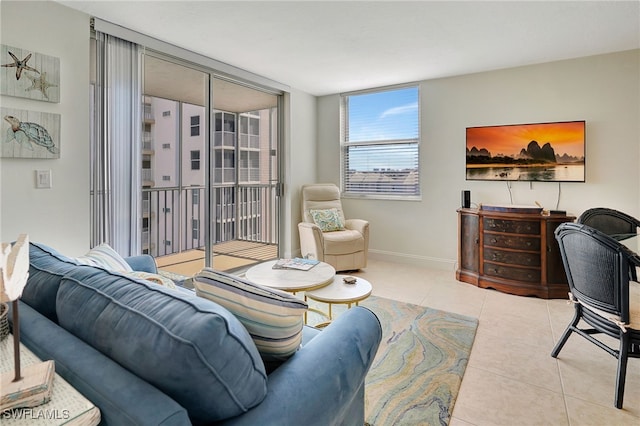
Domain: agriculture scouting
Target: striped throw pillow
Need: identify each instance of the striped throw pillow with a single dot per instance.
(273, 318)
(104, 257)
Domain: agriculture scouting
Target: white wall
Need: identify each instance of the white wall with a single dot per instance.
(300, 163)
(58, 216)
(603, 90)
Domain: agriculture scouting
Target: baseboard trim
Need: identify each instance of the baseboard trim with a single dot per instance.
(412, 259)
(409, 259)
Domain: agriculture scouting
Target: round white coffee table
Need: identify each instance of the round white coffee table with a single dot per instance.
(291, 280)
(339, 292)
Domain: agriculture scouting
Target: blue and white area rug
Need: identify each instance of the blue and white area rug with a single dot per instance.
(416, 375)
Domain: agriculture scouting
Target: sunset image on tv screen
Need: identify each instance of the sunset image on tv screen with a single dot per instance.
(551, 152)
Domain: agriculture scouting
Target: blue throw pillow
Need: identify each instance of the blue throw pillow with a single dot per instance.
(192, 349)
(46, 269)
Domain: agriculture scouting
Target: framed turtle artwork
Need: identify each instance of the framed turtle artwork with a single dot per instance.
(29, 134)
(28, 74)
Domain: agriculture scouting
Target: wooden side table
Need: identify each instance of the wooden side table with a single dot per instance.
(67, 406)
(338, 292)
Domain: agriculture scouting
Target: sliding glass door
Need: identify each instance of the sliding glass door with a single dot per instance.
(209, 169)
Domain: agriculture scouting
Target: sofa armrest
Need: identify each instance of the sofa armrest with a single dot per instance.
(122, 397)
(311, 241)
(143, 263)
(323, 383)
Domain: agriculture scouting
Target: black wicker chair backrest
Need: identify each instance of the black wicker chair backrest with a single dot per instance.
(597, 268)
(609, 221)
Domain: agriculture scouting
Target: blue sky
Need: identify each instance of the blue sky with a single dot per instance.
(394, 112)
(391, 114)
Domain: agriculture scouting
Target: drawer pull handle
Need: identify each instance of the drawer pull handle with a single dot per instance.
(493, 240)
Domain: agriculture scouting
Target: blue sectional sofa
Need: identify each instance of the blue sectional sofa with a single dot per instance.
(149, 355)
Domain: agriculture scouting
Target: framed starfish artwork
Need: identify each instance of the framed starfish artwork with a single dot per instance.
(29, 134)
(28, 74)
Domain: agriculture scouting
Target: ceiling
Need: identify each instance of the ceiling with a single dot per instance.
(338, 46)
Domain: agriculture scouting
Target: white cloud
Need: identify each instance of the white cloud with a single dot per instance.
(400, 110)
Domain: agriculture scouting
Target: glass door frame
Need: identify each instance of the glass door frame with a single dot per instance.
(209, 152)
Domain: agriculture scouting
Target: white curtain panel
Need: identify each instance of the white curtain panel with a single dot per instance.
(116, 142)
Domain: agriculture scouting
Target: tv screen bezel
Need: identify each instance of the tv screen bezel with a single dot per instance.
(506, 178)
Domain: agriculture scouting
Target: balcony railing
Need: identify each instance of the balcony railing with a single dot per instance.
(176, 217)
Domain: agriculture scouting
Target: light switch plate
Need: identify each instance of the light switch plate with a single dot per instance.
(43, 179)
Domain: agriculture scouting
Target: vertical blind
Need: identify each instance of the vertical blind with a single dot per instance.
(380, 143)
(116, 145)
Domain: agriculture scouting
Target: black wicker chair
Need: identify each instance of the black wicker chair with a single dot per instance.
(598, 270)
(610, 221)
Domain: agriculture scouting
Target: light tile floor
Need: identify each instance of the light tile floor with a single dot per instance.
(511, 378)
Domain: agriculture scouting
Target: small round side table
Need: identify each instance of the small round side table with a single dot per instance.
(290, 280)
(339, 292)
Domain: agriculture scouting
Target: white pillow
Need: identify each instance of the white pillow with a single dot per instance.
(104, 257)
(154, 278)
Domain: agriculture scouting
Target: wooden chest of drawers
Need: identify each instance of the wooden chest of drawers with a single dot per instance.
(511, 252)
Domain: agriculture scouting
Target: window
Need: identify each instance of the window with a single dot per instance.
(195, 125)
(176, 116)
(249, 166)
(195, 160)
(380, 139)
(195, 229)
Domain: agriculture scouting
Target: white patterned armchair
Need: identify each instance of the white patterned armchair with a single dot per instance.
(326, 235)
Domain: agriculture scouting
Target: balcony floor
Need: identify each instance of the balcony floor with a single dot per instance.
(228, 256)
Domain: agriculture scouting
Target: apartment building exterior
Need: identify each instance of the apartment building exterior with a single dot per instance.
(174, 174)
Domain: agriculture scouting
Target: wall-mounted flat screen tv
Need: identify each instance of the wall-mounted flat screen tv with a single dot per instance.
(545, 152)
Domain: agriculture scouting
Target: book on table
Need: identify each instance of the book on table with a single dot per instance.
(298, 263)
